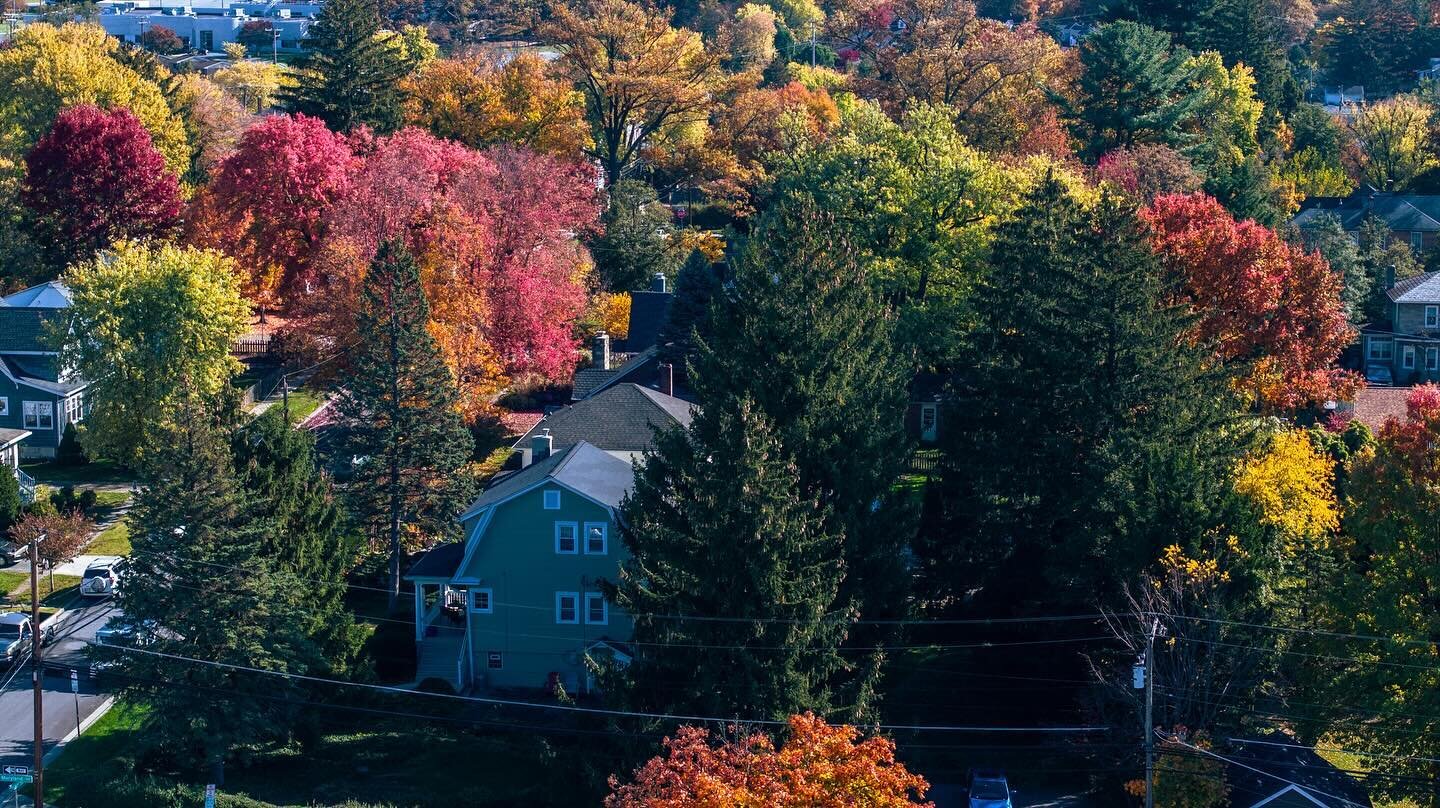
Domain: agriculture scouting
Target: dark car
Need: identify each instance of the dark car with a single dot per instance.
(989, 789)
(10, 552)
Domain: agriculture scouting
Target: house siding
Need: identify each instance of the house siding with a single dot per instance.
(44, 442)
(516, 560)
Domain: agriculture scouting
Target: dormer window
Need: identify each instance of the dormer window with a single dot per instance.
(552, 500)
(1432, 316)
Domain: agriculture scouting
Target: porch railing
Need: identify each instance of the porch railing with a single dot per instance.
(27, 487)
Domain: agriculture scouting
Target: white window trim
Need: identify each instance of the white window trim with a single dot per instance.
(1407, 357)
(1387, 355)
(604, 538)
(489, 601)
(552, 500)
(497, 656)
(1432, 316)
(1432, 358)
(575, 536)
(604, 609)
(574, 600)
(4, 405)
(37, 407)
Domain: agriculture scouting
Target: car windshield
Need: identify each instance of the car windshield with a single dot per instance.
(9, 631)
(988, 790)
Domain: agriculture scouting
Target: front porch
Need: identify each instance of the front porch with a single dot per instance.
(441, 635)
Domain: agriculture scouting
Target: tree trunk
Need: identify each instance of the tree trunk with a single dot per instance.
(217, 771)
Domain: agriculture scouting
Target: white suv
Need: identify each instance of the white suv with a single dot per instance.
(102, 577)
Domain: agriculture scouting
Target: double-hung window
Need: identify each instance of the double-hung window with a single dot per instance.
(39, 414)
(597, 611)
(494, 661)
(596, 539)
(1382, 349)
(75, 408)
(567, 538)
(1432, 316)
(567, 608)
(1432, 358)
(482, 600)
(1407, 358)
(1417, 241)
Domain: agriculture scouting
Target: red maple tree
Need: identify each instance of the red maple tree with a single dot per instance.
(1259, 301)
(820, 766)
(94, 179)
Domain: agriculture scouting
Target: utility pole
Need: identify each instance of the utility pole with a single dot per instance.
(812, 44)
(36, 672)
(1150, 714)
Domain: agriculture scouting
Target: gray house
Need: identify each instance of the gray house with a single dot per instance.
(36, 394)
(1413, 219)
(1409, 344)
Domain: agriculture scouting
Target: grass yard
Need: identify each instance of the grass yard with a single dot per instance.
(358, 762)
(56, 593)
(99, 472)
(113, 540)
(303, 403)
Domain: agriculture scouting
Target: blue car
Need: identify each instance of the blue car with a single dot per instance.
(989, 789)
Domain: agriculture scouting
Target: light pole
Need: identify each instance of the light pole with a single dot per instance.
(274, 43)
(36, 671)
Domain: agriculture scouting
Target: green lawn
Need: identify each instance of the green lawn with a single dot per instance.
(95, 473)
(303, 403)
(359, 761)
(113, 540)
(55, 590)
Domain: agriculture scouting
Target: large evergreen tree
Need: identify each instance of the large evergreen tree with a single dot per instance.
(350, 76)
(201, 588)
(637, 239)
(697, 283)
(312, 539)
(398, 403)
(1133, 88)
(802, 334)
(1084, 431)
(717, 524)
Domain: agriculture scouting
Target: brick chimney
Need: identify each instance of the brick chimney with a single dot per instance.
(541, 446)
(657, 283)
(665, 374)
(600, 351)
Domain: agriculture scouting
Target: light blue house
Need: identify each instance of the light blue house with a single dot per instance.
(36, 394)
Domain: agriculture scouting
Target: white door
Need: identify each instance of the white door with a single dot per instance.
(929, 422)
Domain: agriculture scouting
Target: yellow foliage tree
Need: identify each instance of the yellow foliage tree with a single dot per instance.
(253, 83)
(612, 312)
(1293, 487)
(475, 102)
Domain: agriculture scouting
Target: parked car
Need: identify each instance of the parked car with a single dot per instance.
(989, 789)
(15, 636)
(11, 552)
(121, 632)
(1379, 375)
(102, 577)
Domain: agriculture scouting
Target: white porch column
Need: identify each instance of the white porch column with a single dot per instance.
(419, 611)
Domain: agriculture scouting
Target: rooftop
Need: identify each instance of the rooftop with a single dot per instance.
(620, 418)
(583, 468)
(1423, 288)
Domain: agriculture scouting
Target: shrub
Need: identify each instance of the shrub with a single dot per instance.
(70, 452)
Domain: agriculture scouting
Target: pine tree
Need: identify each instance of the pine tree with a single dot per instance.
(199, 587)
(1327, 234)
(349, 76)
(1082, 432)
(1248, 32)
(803, 335)
(636, 242)
(313, 539)
(1134, 88)
(398, 401)
(717, 525)
(10, 505)
(696, 285)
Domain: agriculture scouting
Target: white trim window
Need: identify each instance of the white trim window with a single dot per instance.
(597, 538)
(552, 500)
(567, 538)
(482, 600)
(4, 405)
(567, 608)
(1407, 357)
(597, 609)
(1432, 316)
(1432, 358)
(1417, 241)
(39, 414)
(75, 408)
(494, 660)
(1382, 349)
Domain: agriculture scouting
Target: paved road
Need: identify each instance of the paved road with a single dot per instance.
(953, 796)
(59, 704)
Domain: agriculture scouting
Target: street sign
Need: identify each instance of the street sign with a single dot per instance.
(17, 770)
(210, 796)
(17, 778)
(74, 681)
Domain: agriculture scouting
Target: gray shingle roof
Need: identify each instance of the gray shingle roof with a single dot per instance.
(1405, 212)
(648, 311)
(23, 329)
(1423, 288)
(439, 562)
(581, 467)
(620, 418)
(52, 295)
(638, 368)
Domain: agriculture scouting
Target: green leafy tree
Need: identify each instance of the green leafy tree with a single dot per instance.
(399, 404)
(717, 524)
(207, 604)
(1134, 88)
(803, 336)
(1249, 32)
(313, 539)
(1086, 430)
(150, 326)
(638, 240)
(1327, 234)
(350, 75)
(10, 505)
(1384, 260)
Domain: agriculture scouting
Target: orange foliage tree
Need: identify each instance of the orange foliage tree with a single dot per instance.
(819, 766)
(1262, 303)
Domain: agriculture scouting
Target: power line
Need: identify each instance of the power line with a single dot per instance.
(1225, 759)
(1337, 749)
(589, 710)
(1293, 630)
(1327, 657)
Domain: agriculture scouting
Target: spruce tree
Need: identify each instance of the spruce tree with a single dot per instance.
(10, 504)
(697, 283)
(398, 401)
(349, 76)
(717, 524)
(200, 588)
(1248, 32)
(313, 539)
(1085, 428)
(803, 335)
(1133, 88)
